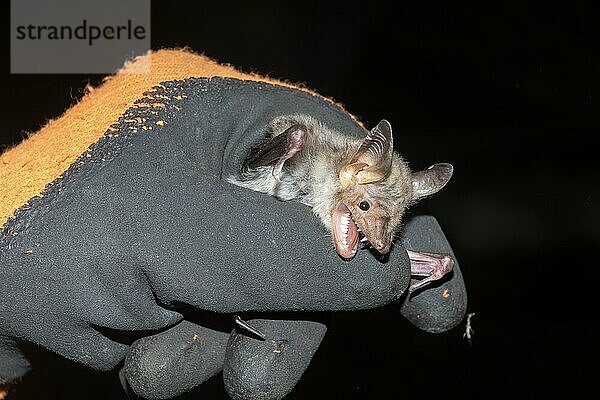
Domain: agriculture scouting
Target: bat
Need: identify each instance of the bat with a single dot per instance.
(358, 188)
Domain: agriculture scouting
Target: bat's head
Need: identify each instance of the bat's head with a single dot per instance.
(376, 187)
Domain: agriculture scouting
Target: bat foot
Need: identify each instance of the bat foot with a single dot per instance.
(430, 265)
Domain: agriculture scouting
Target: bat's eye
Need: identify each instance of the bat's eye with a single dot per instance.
(364, 205)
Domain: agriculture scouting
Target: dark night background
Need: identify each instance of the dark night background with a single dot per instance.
(508, 94)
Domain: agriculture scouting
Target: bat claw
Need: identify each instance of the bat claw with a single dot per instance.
(277, 171)
(248, 327)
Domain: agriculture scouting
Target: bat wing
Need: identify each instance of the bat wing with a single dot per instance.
(279, 149)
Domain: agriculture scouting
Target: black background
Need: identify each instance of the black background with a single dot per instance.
(508, 94)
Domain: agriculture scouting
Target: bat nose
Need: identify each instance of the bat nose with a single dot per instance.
(381, 246)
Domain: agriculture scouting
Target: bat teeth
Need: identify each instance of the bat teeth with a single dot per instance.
(364, 243)
(345, 223)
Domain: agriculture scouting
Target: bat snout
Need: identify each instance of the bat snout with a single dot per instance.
(381, 245)
(375, 232)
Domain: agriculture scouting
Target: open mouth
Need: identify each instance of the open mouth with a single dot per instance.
(346, 233)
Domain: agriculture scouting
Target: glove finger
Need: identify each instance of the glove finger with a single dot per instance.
(173, 362)
(291, 265)
(83, 344)
(271, 368)
(441, 306)
(13, 364)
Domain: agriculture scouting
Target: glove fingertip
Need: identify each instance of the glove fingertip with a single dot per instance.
(271, 368)
(442, 306)
(173, 362)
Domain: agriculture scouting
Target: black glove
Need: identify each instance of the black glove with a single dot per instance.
(167, 363)
(143, 228)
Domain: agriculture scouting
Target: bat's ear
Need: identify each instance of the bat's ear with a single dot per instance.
(373, 160)
(431, 180)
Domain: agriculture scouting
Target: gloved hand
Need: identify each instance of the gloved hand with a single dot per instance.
(142, 229)
(161, 365)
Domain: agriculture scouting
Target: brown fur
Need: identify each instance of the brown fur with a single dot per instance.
(312, 177)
